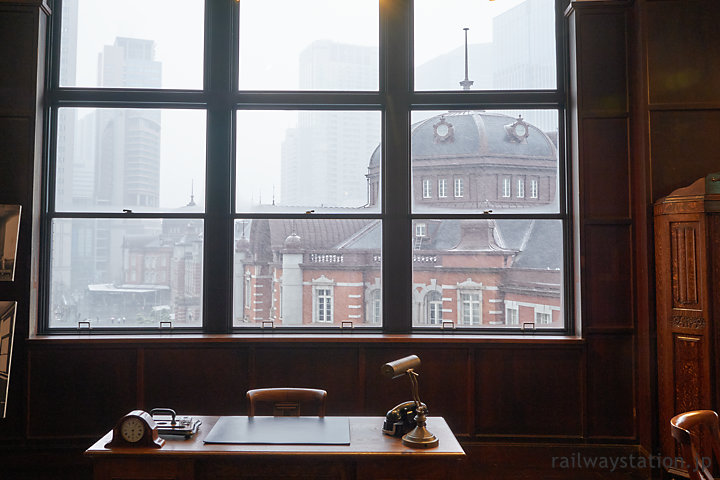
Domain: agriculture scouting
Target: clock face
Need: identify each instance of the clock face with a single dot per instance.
(442, 129)
(520, 130)
(132, 430)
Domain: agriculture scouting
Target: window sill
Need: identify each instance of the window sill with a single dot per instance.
(283, 338)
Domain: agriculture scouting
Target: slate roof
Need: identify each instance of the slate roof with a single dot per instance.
(475, 134)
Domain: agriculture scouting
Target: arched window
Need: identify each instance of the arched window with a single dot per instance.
(433, 308)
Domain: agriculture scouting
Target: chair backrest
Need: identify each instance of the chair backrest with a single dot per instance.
(285, 402)
(694, 430)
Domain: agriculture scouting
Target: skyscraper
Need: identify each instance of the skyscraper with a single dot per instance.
(324, 158)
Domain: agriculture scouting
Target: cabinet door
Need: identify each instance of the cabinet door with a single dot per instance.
(684, 339)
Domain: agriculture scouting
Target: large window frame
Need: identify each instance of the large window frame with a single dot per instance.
(221, 99)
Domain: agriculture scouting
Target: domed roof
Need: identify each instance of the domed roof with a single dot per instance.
(475, 134)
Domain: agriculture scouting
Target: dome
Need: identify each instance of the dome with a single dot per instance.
(293, 242)
(466, 134)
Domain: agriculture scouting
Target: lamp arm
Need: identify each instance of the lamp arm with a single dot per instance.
(414, 387)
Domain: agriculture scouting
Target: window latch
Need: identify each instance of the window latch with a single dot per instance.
(528, 326)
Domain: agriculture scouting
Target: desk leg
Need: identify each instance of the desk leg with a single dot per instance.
(133, 468)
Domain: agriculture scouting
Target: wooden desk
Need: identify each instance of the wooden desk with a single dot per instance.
(369, 455)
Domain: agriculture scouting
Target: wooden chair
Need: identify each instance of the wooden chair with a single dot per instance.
(288, 401)
(692, 430)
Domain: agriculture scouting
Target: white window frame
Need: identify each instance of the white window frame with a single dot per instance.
(506, 187)
(421, 229)
(442, 188)
(534, 188)
(512, 313)
(426, 188)
(470, 307)
(459, 188)
(433, 308)
(323, 304)
(520, 188)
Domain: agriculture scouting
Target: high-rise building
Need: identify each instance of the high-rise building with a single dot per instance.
(324, 158)
(524, 54)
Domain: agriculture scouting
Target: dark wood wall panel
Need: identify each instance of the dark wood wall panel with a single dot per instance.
(677, 55)
(184, 379)
(17, 56)
(444, 383)
(603, 77)
(529, 391)
(16, 143)
(684, 147)
(334, 369)
(611, 388)
(608, 277)
(79, 392)
(606, 177)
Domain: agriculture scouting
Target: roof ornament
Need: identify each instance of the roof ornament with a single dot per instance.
(467, 83)
(191, 203)
(443, 131)
(518, 131)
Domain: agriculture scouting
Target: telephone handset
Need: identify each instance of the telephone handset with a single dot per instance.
(401, 419)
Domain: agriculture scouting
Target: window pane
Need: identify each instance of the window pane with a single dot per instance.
(473, 272)
(138, 159)
(132, 44)
(311, 160)
(487, 157)
(307, 273)
(511, 45)
(126, 273)
(333, 46)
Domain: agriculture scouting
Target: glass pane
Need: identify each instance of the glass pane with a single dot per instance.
(307, 273)
(325, 161)
(488, 273)
(502, 161)
(510, 45)
(126, 273)
(132, 44)
(333, 45)
(138, 159)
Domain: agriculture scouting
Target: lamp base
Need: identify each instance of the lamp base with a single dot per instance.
(419, 437)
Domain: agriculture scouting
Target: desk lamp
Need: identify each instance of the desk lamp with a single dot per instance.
(419, 437)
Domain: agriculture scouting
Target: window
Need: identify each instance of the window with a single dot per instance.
(458, 187)
(433, 308)
(375, 307)
(533, 188)
(470, 308)
(512, 315)
(506, 187)
(222, 178)
(427, 188)
(442, 188)
(323, 299)
(521, 188)
(420, 229)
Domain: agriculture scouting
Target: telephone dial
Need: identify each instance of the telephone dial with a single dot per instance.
(401, 419)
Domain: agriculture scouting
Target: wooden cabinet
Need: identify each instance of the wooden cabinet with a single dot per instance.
(687, 270)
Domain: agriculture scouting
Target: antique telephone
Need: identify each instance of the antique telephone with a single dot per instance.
(408, 418)
(401, 419)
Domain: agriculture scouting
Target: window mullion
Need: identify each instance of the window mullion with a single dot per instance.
(217, 271)
(396, 44)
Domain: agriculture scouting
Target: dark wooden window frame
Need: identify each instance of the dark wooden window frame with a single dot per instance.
(221, 99)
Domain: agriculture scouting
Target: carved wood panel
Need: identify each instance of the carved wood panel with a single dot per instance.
(687, 372)
(684, 266)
